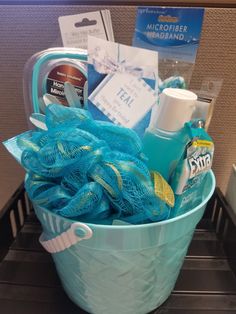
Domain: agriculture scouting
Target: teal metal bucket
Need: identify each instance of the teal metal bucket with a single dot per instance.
(126, 269)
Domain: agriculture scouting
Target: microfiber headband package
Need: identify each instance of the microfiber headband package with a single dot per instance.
(174, 33)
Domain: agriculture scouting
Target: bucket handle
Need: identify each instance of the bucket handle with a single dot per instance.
(76, 233)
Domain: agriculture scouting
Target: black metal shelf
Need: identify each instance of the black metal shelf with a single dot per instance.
(29, 283)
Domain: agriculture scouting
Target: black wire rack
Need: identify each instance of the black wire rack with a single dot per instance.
(29, 282)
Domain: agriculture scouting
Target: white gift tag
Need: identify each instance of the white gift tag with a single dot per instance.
(76, 28)
(124, 98)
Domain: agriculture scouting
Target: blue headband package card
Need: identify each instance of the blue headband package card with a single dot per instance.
(175, 34)
(122, 83)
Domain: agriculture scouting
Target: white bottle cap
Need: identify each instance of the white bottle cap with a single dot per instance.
(176, 108)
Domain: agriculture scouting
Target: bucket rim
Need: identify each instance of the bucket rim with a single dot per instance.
(147, 225)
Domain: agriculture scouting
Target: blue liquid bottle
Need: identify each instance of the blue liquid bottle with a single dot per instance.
(164, 141)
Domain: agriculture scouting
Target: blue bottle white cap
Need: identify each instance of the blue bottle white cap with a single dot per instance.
(176, 108)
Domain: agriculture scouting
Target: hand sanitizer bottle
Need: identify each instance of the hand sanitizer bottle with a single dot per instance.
(164, 142)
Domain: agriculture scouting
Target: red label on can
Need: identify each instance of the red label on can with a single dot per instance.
(61, 74)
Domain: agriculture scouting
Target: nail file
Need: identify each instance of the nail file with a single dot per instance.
(38, 120)
(50, 99)
(71, 95)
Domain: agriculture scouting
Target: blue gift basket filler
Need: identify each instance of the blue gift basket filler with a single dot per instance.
(120, 269)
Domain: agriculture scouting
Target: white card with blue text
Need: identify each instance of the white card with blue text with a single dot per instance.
(124, 98)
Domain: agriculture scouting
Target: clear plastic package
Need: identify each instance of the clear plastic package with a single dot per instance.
(175, 33)
(47, 71)
(207, 95)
